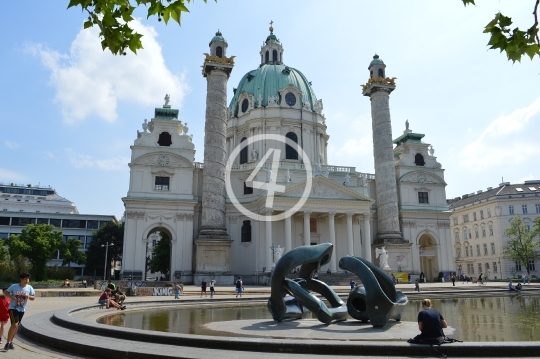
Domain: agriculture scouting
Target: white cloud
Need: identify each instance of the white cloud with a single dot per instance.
(107, 164)
(350, 147)
(509, 139)
(12, 145)
(91, 81)
(8, 175)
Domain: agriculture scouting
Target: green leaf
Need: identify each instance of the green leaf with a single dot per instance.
(88, 24)
(532, 50)
(467, 2)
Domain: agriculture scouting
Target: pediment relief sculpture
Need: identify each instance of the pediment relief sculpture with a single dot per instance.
(162, 160)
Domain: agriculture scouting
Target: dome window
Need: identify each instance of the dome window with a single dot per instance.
(381, 73)
(164, 139)
(219, 51)
(290, 152)
(290, 99)
(274, 56)
(244, 152)
(419, 160)
(245, 105)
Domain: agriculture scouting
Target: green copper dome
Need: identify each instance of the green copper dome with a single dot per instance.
(272, 39)
(267, 80)
(217, 38)
(375, 61)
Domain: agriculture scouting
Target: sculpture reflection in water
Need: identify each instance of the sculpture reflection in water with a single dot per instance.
(283, 306)
(377, 300)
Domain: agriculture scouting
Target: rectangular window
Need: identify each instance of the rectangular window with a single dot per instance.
(479, 267)
(470, 268)
(477, 249)
(524, 208)
(489, 212)
(490, 229)
(458, 252)
(483, 231)
(4, 221)
(313, 225)
(537, 207)
(4, 235)
(494, 267)
(246, 231)
(73, 223)
(465, 234)
(57, 223)
(456, 223)
(476, 233)
(492, 248)
(518, 267)
(511, 209)
(482, 214)
(103, 223)
(531, 265)
(465, 218)
(485, 249)
(247, 189)
(474, 215)
(466, 251)
(88, 241)
(423, 197)
(457, 236)
(162, 183)
(470, 236)
(92, 224)
(42, 221)
(20, 221)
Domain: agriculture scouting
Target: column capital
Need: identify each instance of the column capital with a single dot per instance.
(307, 213)
(350, 215)
(332, 214)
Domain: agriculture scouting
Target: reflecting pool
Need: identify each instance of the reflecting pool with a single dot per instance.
(478, 319)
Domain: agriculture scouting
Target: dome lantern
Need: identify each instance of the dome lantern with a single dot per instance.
(376, 67)
(272, 50)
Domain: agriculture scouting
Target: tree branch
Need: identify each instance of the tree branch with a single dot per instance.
(535, 13)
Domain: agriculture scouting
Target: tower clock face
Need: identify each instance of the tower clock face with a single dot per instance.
(163, 161)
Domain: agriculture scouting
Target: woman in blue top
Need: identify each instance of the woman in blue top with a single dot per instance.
(19, 295)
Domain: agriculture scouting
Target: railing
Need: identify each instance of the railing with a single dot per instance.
(22, 185)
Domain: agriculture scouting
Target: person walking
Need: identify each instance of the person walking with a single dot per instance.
(239, 287)
(19, 294)
(212, 288)
(352, 284)
(416, 286)
(453, 280)
(176, 289)
(203, 288)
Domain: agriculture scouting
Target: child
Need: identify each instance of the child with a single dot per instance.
(4, 312)
(19, 293)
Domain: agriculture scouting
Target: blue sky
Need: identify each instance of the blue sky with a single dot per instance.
(69, 111)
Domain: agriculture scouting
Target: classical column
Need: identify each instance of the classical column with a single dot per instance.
(332, 237)
(378, 88)
(367, 238)
(288, 233)
(268, 242)
(307, 229)
(213, 244)
(350, 247)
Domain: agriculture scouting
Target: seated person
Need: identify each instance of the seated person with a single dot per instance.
(518, 287)
(119, 296)
(105, 299)
(328, 271)
(511, 287)
(431, 322)
(66, 283)
(111, 285)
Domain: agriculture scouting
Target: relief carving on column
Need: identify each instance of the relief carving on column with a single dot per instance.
(443, 224)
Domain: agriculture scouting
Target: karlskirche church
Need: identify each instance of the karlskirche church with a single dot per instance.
(266, 185)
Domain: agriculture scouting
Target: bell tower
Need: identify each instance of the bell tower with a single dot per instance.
(272, 50)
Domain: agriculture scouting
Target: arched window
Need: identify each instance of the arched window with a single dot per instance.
(244, 153)
(381, 73)
(246, 231)
(419, 160)
(290, 152)
(266, 57)
(274, 56)
(245, 105)
(164, 139)
(219, 51)
(370, 73)
(247, 189)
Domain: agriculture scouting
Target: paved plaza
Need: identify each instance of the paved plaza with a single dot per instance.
(26, 348)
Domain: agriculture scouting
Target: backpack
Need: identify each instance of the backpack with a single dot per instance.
(238, 283)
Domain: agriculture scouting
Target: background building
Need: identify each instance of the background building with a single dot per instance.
(26, 204)
(478, 222)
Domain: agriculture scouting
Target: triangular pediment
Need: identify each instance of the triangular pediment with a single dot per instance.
(162, 159)
(323, 188)
(421, 177)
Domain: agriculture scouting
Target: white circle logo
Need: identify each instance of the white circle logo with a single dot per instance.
(271, 185)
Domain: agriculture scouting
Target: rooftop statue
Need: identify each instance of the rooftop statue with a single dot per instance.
(167, 99)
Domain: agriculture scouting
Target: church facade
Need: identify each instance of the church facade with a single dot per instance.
(268, 149)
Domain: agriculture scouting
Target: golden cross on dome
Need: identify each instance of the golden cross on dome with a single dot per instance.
(271, 27)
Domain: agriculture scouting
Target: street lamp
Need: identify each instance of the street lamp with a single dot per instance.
(106, 245)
